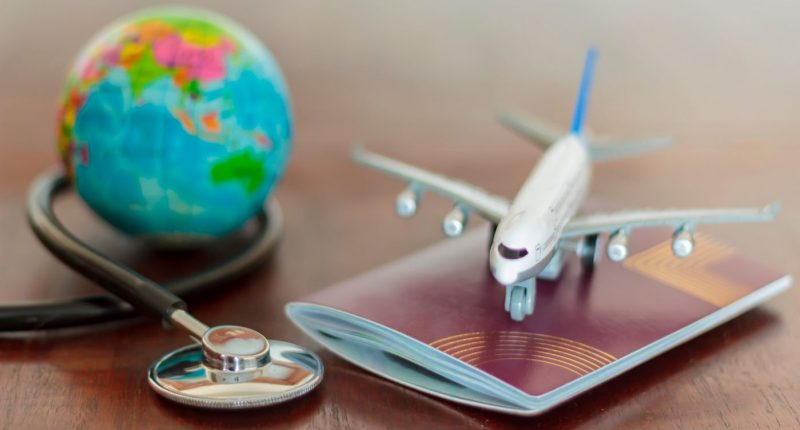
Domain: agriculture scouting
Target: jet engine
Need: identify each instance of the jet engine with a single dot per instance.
(454, 222)
(617, 249)
(683, 242)
(407, 202)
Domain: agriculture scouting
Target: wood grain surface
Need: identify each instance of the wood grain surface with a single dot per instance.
(420, 80)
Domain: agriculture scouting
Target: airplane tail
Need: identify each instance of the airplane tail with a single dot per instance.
(583, 93)
(600, 148)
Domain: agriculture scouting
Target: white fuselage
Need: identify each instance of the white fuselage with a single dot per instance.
(527, 237)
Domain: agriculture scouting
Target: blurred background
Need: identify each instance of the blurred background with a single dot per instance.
(420, 81)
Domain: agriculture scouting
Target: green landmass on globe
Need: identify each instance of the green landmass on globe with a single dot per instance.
(243, 167)
(175, 123)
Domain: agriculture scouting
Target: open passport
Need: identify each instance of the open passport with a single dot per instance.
(434, 321)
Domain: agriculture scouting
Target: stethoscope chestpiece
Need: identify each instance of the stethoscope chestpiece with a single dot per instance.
(235, 368)
(233, 353)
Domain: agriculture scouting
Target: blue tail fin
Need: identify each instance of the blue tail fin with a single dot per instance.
(583, 94)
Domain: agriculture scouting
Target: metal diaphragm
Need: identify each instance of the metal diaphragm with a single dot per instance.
(182, 376)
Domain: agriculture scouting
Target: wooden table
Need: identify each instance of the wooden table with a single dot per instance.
(419, 80)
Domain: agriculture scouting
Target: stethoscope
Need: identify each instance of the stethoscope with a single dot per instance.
(230, 367)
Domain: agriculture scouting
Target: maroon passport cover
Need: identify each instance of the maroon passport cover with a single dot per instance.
(585, 329)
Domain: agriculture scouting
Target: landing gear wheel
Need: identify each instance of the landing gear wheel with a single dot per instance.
(516, 307)
(520, 299)
(589, 251)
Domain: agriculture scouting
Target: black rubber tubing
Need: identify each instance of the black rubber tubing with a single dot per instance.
(140, 294)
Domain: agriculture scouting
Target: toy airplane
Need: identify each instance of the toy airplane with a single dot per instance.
(534, 231)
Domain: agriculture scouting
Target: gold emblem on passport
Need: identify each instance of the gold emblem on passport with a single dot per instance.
(478, 348)
(696, 275)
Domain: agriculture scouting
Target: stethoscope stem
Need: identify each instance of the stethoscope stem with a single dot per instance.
(191, 325)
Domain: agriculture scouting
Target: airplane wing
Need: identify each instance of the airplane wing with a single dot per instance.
(677, 218)
(485, 204)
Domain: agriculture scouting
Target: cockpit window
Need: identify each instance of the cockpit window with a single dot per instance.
(511, 253)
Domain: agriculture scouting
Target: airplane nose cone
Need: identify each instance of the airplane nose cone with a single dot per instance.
(503, 273)
(505, 277)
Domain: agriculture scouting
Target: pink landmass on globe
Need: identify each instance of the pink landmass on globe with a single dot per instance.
(91, 72)
(110, 56)
(203, 64)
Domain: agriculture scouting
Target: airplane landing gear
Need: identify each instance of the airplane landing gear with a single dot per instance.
(520, 299)
(589, 251)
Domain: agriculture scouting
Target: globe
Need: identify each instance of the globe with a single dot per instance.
(175, 124)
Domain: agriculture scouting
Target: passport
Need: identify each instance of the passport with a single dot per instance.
(434, 321)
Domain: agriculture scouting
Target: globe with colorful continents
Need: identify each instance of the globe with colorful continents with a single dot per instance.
(175, 125)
